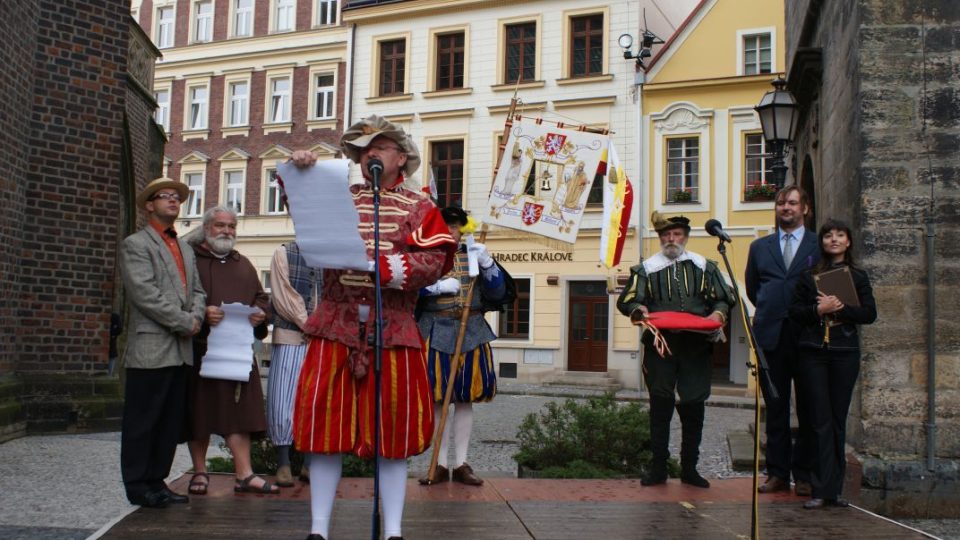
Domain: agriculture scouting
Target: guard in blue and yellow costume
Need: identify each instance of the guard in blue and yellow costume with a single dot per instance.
(439, 313)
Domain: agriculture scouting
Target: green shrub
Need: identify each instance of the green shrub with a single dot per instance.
(596, 438)
(263, 458)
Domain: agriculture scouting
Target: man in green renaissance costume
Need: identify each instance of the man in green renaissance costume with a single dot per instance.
(677, 280)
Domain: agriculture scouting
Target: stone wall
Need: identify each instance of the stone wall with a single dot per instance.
(883, 130)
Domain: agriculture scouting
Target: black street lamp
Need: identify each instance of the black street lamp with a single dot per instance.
(778, 118)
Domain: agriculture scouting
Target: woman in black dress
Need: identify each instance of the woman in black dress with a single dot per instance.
(829, 350)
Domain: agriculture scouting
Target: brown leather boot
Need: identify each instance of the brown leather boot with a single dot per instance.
(440, 475)
(465, 475)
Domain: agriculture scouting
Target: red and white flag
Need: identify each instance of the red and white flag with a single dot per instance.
(617, 206)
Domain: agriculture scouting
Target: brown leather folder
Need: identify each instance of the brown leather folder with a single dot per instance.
(837, 282)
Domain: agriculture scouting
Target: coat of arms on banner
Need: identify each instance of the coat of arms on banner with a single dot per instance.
(544, 179)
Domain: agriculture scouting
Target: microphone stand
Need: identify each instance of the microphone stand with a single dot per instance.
(756, 370)
(377, 349)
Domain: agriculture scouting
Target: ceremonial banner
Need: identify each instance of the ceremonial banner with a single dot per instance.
(544, 179)
(617, 206)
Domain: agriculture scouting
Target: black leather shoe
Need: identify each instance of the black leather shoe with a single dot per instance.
(151, 499)
(814, 504)
(840, 503)
(693, 478)
(654, 478)
(175, 498)
(316, 537)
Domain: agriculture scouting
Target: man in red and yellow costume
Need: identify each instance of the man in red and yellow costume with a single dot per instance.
(334, 408)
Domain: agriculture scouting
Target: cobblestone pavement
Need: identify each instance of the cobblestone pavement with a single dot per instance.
(68, 486)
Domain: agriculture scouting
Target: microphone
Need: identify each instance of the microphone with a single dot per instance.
(715, 228)
(375, 166)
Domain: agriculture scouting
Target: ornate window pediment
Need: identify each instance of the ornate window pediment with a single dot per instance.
(682, 117)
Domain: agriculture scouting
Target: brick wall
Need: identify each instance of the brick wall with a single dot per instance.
(257, 142)
(69, 239)
(19, 19)
(221, 19)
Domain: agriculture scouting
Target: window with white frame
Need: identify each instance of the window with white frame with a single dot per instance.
(198, 107)
(393, 58)
(274, 199)
(326, 12)
(162, 115)
(233, 196)
(756, 54)
(586, 45)
(520, 47)
(203, 21)
(280, 99)
(239, 103)
(756, 169)
(194, 206)
(284, 15)
(683, 169)
(164, 35)
(243, 18)
(515, 319)
(324, 95)
(265, 280)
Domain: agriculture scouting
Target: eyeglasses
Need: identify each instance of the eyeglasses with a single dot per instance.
(385, 147)
(167, 197)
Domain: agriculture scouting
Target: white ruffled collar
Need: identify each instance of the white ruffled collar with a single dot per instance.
(660, 261)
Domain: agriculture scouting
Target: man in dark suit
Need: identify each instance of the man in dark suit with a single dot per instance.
(166, 305)
(775, 263)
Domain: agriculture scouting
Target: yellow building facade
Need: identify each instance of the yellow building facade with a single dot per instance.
(703, 152)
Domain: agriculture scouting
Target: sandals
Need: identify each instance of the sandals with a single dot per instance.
(196, 487)
(243, 486)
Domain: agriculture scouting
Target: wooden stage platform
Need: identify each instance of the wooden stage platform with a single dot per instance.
(510, 509)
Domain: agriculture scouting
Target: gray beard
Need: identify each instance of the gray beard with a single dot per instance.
(220, 245)
(672, 251)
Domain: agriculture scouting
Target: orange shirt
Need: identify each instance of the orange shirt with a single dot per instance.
(169, 236)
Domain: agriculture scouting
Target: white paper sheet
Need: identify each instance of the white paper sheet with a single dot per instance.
(230, 345)
(324, 217)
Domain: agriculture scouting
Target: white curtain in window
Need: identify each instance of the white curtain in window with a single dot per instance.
(280, 100)
(243, 18)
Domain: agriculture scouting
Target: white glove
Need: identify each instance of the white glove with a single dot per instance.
(483, 256)
(371, 266)
(444, 286)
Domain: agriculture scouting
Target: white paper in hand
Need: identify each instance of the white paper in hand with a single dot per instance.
(230, 345)
(324, 217)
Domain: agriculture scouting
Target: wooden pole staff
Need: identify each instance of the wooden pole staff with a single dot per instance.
(464, 317)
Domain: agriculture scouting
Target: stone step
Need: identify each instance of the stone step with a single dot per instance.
(741, 444)
(595, 380)
(57, 414)
(37, 385)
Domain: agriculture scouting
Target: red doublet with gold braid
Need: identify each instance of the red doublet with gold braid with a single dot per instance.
(414, 248)
(333, 412)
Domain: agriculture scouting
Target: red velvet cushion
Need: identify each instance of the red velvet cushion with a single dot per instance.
(678, 320)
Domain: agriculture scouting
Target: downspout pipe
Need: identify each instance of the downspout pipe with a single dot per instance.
(348, 87)
(931, 346)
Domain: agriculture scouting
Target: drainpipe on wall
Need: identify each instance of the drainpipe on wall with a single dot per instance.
(349, 85)
(931, 346)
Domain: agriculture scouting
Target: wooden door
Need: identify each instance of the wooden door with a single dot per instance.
(587, 326)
